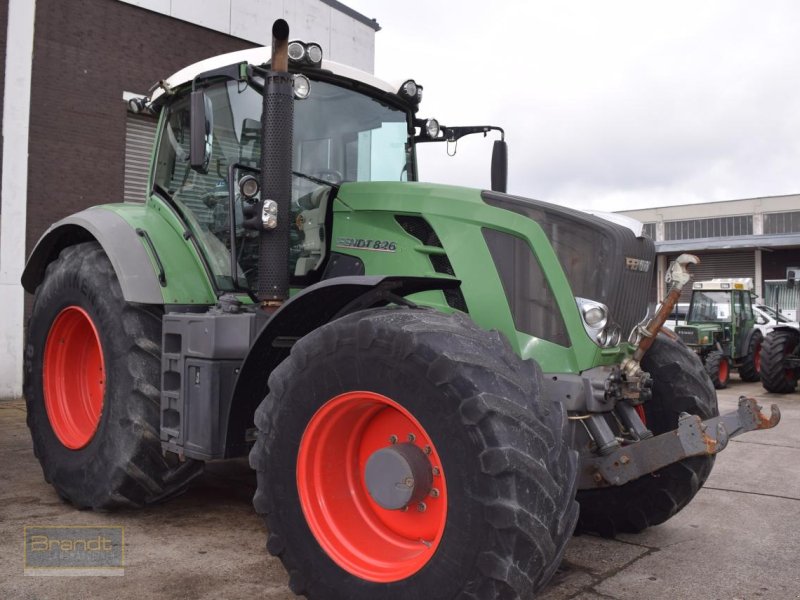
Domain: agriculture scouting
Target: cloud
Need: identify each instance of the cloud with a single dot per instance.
(608, 105)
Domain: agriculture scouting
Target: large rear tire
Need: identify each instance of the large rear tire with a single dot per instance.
(680, 384)
(776, 376)
(750, 369)
(503, 509)
(92, 380)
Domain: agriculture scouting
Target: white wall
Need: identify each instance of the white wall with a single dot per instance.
(342, 37)
(16, 112)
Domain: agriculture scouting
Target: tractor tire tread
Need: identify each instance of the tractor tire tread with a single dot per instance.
(132, 470)
(459, 353)
(774, 350)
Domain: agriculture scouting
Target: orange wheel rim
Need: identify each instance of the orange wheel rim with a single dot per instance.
(74, 377)
(723, 370)
(358, 534)
(757, 357)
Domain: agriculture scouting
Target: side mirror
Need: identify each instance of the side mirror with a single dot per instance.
(500, 166)
(201, 125)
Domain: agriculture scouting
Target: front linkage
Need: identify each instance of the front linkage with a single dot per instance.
(614, 464)
(693, 437)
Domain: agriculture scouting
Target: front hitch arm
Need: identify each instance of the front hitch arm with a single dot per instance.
(677, 276)
(693, 437)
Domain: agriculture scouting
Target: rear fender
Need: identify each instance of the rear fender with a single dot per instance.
(153, 262)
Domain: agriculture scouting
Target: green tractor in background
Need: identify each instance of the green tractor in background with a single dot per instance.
(720, 328)
(435, 385)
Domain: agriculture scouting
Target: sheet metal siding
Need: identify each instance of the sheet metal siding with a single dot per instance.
(140, 131)
(726, 264)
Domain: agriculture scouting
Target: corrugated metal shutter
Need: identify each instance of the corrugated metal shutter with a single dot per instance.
(725, 264)
(140, 131)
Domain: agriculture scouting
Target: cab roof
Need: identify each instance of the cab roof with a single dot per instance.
(728, 283)
(260, 57)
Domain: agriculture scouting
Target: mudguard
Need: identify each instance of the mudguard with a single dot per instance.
(313, 307)
(133, 237)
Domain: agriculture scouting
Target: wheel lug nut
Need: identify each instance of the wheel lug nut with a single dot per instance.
(411, 437)
(434, 493)
(427, 449)
(436, 471)
(392, 439)
(422, 507)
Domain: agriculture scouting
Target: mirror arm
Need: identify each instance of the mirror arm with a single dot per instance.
(453, 134)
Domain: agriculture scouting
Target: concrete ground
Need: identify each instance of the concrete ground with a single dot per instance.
(739, 538)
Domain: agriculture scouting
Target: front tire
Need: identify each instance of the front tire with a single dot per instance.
(776, 376)
(92, 379)
(679, 385)
(505, 477)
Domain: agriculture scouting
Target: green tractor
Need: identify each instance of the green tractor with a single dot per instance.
(720, 328)
(432, 383)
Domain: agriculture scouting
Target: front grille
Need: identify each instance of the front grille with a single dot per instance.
(603, 261)
(687, 334)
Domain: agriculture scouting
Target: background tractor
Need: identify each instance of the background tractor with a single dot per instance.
(780, 354)
(431, 382)
(720, 328)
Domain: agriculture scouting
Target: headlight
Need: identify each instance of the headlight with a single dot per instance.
(596, 323)
(297, 51)
(594, 314)
(314, 53)
(249, 186)
(432, 128)
(307, 54)
(302, 86)
(411, 91)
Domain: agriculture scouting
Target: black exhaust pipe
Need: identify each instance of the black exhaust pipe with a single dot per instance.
(277, 124)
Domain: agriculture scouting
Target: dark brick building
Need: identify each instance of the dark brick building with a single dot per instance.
(77, 59)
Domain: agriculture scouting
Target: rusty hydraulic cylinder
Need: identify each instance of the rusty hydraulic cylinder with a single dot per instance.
(678, 276)
(277, 125)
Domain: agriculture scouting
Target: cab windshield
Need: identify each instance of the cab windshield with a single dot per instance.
(339, 136)
(710, 307)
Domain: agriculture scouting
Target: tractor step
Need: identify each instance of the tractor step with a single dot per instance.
(693, 437)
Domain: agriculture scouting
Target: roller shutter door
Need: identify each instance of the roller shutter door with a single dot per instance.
(140, 131)
(725, 264)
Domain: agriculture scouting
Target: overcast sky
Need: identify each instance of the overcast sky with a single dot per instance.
(607, 105)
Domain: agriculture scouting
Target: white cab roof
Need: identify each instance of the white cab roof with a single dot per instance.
(728, 283)
(262, 56)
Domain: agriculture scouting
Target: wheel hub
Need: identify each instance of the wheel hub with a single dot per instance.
(398, 475)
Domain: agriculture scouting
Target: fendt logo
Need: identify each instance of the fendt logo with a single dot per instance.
(637, 264)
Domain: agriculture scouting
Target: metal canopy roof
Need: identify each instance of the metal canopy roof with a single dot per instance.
(734, 243)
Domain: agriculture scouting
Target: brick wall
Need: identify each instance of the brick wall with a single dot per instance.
(86, 53)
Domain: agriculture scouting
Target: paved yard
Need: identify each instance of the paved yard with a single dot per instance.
(739, 538)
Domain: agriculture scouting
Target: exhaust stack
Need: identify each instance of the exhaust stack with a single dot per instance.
(277, 124)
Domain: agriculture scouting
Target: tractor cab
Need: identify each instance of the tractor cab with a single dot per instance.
(348, 127)
(720, 327)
